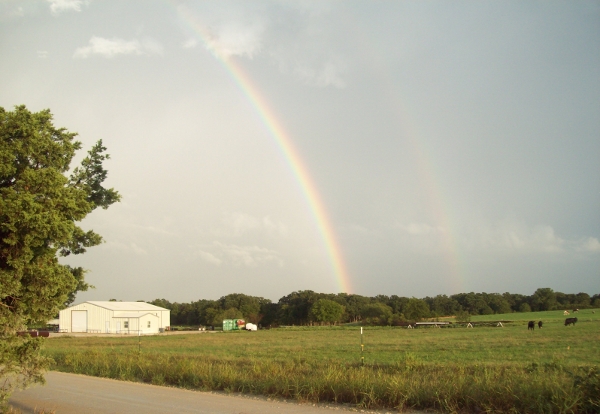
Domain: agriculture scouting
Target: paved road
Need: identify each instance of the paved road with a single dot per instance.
(71, 393)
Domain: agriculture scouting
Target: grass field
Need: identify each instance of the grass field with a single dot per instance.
(485, 369)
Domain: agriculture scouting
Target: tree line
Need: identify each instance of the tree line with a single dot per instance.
(309, 308)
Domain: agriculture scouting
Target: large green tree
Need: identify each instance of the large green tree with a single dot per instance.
(40, 207)
(295, 308)
(355, 305)
(543, 299)
(249, 306)
(377, 313)
(326, 311)
(416, 309)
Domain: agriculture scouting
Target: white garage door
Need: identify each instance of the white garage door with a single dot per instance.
(79, 321)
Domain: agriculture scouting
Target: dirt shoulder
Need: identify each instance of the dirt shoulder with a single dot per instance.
(72, 393)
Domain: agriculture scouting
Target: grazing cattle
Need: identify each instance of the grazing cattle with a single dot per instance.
(540, 323)
(575, 310)
(565, 312)
(570, 321)
(531, 325)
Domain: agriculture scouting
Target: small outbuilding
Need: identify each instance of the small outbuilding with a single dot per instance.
(114, 317)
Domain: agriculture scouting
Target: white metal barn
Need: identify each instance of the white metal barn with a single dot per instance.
(114, 317)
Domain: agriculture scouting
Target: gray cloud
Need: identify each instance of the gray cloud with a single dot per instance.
(109, 48)
(233, 40)
(240, 224)
(236, 255)
(59, 6)
(251, 30)
(209, 258)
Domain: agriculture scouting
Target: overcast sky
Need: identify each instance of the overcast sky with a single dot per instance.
(453, 146)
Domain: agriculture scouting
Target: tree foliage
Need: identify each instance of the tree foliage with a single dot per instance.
(544, 299)
(463, 316)
(326, 311)
(416, 309)
(39, 210)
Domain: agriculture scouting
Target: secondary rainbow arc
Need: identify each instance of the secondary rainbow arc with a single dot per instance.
(438, 203)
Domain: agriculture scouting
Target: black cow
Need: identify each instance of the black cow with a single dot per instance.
(531, 325)
(570, 321)
(540, 324)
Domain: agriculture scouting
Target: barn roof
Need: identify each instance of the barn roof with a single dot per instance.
(126, 306)
(132, 314)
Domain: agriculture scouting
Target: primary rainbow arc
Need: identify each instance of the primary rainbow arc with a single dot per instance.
(285, 144)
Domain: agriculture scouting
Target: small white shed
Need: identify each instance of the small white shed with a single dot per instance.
(114, 317)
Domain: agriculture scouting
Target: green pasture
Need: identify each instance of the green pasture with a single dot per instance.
(555, 369)
(547, 316)
(555, 342)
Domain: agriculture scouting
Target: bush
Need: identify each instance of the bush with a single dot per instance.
(589, 385)
(463, 316)
(524, 307)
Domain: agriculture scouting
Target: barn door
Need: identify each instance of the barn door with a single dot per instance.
(118, 327)
(79, 321)
(107, 326)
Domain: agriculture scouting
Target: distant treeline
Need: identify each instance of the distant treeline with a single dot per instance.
(307, 307)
